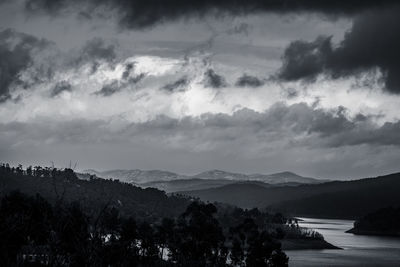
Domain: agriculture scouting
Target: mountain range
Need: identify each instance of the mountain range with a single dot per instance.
(286, 192)
(173, 182)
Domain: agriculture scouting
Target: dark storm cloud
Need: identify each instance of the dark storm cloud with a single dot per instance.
(98, 49)
(373, 42)
(60, 87)
(387, 134)
(328, 124)
(141, 13)
(249, 81)
(213, 80)
(15, 55)
(305, 60)
(178, 85)
(84, 16)
(94, 50)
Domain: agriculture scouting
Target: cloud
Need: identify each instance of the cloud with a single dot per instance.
(60, 87)
(290, 93)
(305, 60)
(213, 80)
(298, 136)
(128, 68)
(94, 50)
(139, 13)
(16, 54)
(178, 85)
(249, 81)
(109, 89)
(242, 28)
(127, 76)
(84, 16)
(372, 43)
(287, 125)
(136, 79)
(116, 86)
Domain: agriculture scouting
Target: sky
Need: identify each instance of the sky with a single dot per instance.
(307, 86)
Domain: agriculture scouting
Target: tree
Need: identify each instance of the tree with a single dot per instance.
(148, 246)
(278, 259)
(23, 221)
(165, 235)
(200, 241)
(237, 253)
(71, 235)
(29, 171)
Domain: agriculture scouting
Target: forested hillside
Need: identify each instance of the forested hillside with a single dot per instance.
(60, 220)
(341, 199)
(385, 221)
(65, 221)
(94, 194)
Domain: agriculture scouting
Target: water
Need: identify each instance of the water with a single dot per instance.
(356, 250)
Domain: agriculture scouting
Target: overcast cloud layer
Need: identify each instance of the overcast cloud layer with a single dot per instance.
(248, 86)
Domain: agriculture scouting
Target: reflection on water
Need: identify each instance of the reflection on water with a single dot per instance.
(357, 250)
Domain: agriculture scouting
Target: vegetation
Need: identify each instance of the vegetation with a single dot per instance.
(94, 194)
(338, 199)
(60, 229)
(67, 236)
(384, 221)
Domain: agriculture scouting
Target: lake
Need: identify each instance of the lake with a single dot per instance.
(356, 250)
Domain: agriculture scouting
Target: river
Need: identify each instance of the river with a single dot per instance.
(356, 250)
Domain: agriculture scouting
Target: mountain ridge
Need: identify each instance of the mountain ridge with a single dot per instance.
(335, 199)
(138, 176)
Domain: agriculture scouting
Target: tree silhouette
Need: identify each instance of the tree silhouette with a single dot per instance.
(201, 241)
(68, 233)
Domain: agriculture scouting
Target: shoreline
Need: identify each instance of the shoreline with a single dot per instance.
(301, 244)
(372, 233)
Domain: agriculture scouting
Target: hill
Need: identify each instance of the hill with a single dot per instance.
(103, 207)
(340, 199)
(284, 178)
(95, 193)
(175, 186)
(384, 221)
(186, 184)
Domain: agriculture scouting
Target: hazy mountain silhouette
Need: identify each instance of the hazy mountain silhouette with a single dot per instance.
(173, 182)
